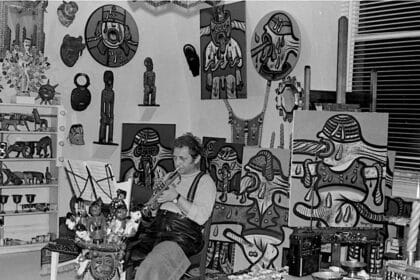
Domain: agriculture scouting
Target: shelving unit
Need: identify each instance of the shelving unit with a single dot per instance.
(29, 228)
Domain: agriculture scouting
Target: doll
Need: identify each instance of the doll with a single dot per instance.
(96, 223)
(117, 226)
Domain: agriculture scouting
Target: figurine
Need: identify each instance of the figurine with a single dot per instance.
(82, 233)
(96, 223)
(116, 202)
(107, 109)
(42, 146)
(149, 78)
(116, 230)
(132, 223)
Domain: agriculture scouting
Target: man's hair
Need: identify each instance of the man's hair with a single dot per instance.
(190, 141)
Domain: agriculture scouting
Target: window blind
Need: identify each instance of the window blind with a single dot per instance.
(385, 37)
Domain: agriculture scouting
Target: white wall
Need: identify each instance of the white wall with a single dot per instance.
(162, 37)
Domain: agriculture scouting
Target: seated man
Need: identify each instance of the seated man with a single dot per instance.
(176, 233)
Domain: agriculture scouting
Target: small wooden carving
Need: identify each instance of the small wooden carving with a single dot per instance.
(149, 78)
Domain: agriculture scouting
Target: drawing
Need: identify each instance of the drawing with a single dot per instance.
(338, 169)
(222, 50)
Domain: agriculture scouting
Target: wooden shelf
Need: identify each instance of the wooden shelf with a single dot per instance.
(29, 105)
(22, 248)
(28, 132)
(26, 213)
(33, 186)
(28, 159)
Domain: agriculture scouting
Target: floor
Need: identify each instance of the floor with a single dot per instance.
(26, 266)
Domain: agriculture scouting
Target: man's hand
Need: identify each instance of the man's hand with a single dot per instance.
(168, 195)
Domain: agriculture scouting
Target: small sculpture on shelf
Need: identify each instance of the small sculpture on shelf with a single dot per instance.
(149, 78)
(107, 110)
(42, 146)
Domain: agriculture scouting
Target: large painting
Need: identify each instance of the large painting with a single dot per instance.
(146, 155)
(250, 227)
(338, 169)
(223, 51)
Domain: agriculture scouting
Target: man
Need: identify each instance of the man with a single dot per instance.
(176, 233)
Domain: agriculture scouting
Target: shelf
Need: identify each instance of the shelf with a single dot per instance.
(33, 186)
(28, 159)
(22, 248)
(28, 132)
(26, 213)
(28, 105)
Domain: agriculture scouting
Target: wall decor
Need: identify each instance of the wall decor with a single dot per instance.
(80, 96)
(47, 93)
(211, 146)
(106, 122)
(146, 155)
(222, 49)
(66, 12)
(76, 134)
(111, 36)
(149, 84)
(338, 166)
(289, 97)
(192, 59)
(71, 49)
(275, 45)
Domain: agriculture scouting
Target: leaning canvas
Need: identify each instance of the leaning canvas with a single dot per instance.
(338, 169)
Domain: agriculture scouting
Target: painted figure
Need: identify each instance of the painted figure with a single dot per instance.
(345, 180)
(107, 109)
(25, 60)
(96, 223)
(149, 78)
(275, 46)
(223, 58)
(111, 36)
(117, 202)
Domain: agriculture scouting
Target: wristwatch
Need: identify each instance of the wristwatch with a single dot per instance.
(177, 198)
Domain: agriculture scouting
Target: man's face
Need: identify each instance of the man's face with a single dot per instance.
(185, 161)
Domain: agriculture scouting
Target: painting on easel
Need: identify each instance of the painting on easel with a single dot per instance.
(338, 169)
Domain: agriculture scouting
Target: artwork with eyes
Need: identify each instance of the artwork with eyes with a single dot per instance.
(146, 155)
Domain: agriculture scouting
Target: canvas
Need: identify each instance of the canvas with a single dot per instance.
(251, 225)
(146, 155)
(338, 169)
(223, 51)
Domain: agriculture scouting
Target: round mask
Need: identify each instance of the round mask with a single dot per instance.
(111, 36)
(80, 96)
(275, 45)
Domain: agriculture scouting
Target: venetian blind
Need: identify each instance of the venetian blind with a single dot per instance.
(385, 37)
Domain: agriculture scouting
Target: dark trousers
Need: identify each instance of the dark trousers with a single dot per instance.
(167, 226)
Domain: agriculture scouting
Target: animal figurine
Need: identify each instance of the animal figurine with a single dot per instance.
(34, 177)
(20, 148)
(11, 177)
(43, 123)
(43, 144)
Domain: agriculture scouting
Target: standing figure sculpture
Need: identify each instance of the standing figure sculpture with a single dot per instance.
(107, 109)
(149, 78)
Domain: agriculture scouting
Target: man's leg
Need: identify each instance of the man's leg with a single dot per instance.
(166, 261)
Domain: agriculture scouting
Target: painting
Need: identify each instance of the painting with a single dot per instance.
(210, 147)
(146, 155)
(223, 51)
(338, 169)
(250, 227)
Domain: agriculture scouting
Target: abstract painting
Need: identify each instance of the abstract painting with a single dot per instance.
(223, 51)
(338, 169)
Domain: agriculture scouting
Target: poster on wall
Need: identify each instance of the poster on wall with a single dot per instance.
(223, 51)
(111, 36)
(146, 155)
(338, 169)
(252, 222)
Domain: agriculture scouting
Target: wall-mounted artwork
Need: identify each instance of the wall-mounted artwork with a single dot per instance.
(249, 228)
(223, 51)
(146, 155)
(211, 146)
(275, 45)
(338, 169)
(111, 36)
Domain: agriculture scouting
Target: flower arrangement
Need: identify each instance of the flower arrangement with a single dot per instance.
(24, 69)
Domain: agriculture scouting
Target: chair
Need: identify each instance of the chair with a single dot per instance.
(200, 259)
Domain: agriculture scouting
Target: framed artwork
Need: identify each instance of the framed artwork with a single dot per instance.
(338, 169)
(210, 147)
(22, 20)
(223, 51)
(146, 155)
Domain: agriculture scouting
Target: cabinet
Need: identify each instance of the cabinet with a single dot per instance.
(31, 142)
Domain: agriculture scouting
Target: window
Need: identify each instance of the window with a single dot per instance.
(385, 38)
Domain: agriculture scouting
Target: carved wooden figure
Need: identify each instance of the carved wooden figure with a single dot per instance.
(107, 110)
(149, 78)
